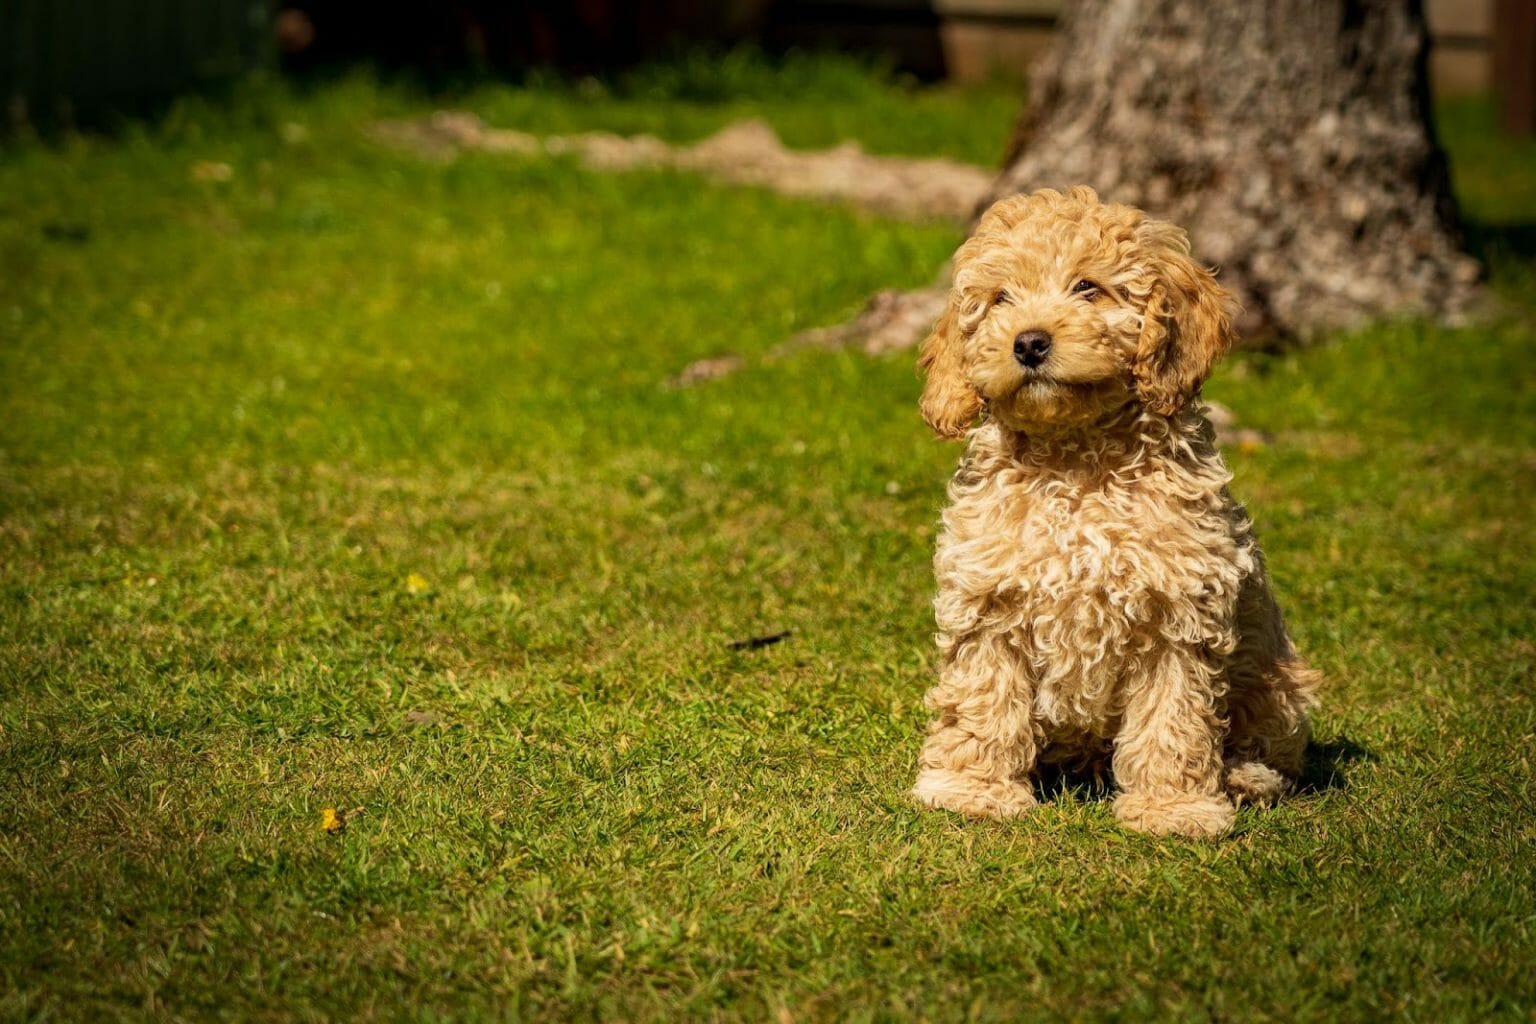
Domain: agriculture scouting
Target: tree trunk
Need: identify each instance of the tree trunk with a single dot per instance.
(1292, 138)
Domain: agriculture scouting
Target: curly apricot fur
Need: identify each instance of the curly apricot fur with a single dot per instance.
(1100, 593)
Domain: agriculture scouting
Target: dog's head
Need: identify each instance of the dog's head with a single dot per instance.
(1065, 308)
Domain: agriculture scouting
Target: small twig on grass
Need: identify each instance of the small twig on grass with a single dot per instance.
(754, 643)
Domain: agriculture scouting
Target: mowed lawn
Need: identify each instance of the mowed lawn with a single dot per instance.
(333, 478)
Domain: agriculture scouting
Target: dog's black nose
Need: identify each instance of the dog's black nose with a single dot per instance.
(1031, 347)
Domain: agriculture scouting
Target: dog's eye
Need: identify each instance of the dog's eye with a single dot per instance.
(1086, 288)
(1001, 299)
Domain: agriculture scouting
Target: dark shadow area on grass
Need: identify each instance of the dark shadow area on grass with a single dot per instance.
(1329, 763)
(1327, 767)
(1083, 784)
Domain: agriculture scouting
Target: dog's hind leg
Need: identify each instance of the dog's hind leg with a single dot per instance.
(981, 748)
(1270, 690)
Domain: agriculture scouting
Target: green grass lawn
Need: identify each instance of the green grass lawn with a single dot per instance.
(353, 481)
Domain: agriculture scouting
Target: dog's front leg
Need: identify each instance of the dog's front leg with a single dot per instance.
(1167, 760)
(981, 748)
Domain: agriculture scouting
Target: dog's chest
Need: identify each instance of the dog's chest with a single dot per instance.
(1083, 577)
(1046, 544)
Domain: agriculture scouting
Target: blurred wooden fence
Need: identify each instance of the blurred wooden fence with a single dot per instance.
(1479, 46)
(978, 39)
(69, 61)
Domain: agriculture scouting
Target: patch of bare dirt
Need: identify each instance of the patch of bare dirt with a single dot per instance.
(744, 153)
(706, 369)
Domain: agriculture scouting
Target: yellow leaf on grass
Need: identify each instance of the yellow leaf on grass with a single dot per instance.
(331, 820)
(416, 583)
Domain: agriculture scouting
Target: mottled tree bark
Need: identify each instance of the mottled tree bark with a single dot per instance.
(1293, 138)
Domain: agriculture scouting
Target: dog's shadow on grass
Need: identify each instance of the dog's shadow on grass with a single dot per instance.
(1326, 769)
(1054, 782)
(1329, 763)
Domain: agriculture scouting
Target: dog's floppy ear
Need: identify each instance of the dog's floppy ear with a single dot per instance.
(1187, 323)
(949, 403)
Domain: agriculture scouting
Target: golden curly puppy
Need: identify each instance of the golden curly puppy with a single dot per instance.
(1100, 592)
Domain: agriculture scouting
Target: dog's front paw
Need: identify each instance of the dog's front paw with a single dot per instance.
(970, 796)
(1175, 814)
